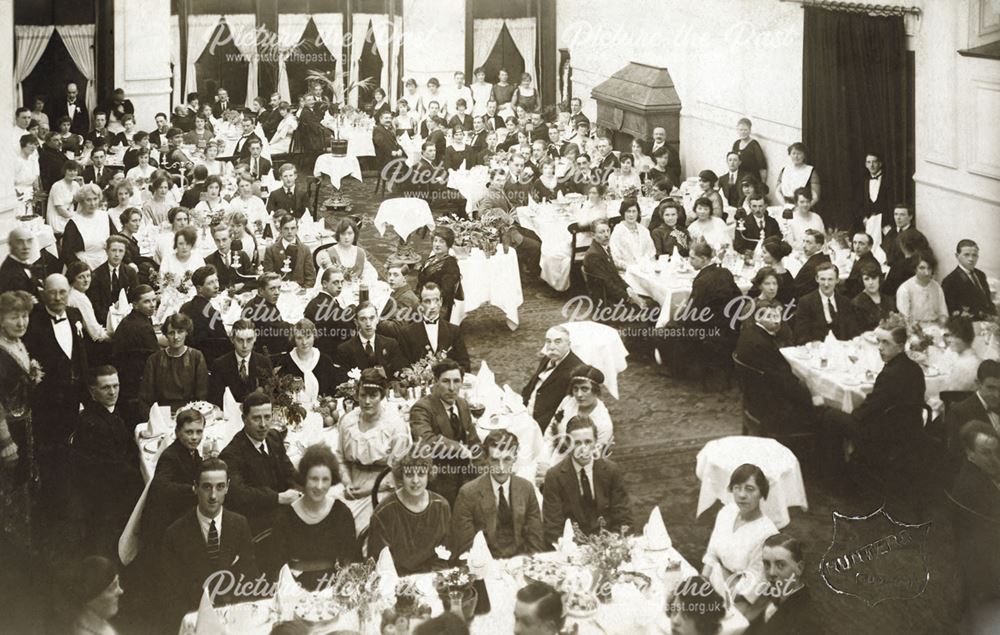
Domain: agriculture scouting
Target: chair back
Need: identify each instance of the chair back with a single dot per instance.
(951, 397)
(578, 250)
(752, 386)
(313, 186)
(319, 250)
(378, 485)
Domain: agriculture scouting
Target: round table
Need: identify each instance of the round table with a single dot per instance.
(336, 168)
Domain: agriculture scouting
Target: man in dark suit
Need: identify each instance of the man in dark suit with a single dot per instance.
(170, 493)
(333, 321)
(782, 398)
(242, 149)
(16, 273)
(756, 226)
(431, 334)
(242, 370)
(902, 216)
(209, 335)
(605, 284)
(235, 271)
(262, 477)
(605, 162)
(289, 197)
(824, 310)
(788, 608)
(289, 248)
(118, 107)
(584, 488)
(97, 172)
(367, 348)
(812, 249)
(878, 196)
(105, 464)
(576, 112)
(550, 382)
(491, 120)
(862, 246)
(729, 183)
(54, 339)
(99, 135)
(51, 160)
(966, 288)
(256, 164)
(205, 540)
(660, 148)
(192, 195)
(983, 405)
(262, 310)
(221, 103)
(976, 499)
(403, 304)
(442, 420)
(74, 108)
(111, 278)
(387, 148)
(159, 137)
(501, 505)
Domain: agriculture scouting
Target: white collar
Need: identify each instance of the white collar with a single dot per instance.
(60, 316)
(240, 359)
(505, 485)
(205, 520)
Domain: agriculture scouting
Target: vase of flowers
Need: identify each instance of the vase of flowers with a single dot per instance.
(604, 552)
(283, 390)
(457, 593)
(419, 375)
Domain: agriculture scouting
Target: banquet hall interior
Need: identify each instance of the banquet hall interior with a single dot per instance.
(500, 316)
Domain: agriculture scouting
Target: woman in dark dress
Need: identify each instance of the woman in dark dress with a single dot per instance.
(671, 233)
(544, 187)
(774, 254)
(767, 286)
(752, 159)
(442, 269)
(872, 305)
(315, 534)
(306, 362)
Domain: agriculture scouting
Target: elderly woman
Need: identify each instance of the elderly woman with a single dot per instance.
(17, 455)
(97, 591)
(797, 174)
(182, 260)
(671, 234)
(212, 203)
(177, 374)
(707, 180)
(733, 558)
(625, 178)
(243, 240)
(921, 298)
(316, 534)
(62, 196)
(86, 233)
(803, 218)
(694, 608)
(707, 226)
(585, 398)
(370, 436)
(442, 269)
(346, 254)
(630, 242)
(247, 203)
(872, 304)
(155, 210)
(80, 275)
(412, 521)
(306, 362)
(752, 159)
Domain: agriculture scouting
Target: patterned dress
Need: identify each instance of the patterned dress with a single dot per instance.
(17, 487)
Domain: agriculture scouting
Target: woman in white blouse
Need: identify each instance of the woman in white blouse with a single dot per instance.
(212, 203)
(584, 400)
(346, 254)
(142, 172)
(178, 217)
(803, 218)
(594, 206)
(960, 335)
(921, 298)
(182, 259)
(212, 163)
(711, 228)
(61, 197)
(797, 174)
(86, 233)
(154, 211)
(404, 122)
(643, 162)
(247, 203)
(733, 558)
(282, 138)
(630, 241)
(125, 197)
(625, 178)
(80, 275)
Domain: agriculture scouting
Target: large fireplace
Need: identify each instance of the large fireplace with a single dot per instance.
(635, 100)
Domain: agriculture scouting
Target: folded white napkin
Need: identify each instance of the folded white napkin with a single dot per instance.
(656, 532)
(512, 401)
(480, 558)
(122, 305)
(208, 620)
(232, 313)
(386, 568)
(230, 407)
(159, 420)
(567, 542)
(676, 255)
(286, 593)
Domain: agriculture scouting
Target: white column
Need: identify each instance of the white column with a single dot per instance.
(142, 57)
(7, 197)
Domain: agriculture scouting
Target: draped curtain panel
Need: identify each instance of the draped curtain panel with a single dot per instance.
(200, 30)
(524, 34)
(31, 43)
(290, 31)
(79, 41)
(331, 31)
(484, 37)
(855, 85)
(359, 30)
(244, 29)
(175, 60)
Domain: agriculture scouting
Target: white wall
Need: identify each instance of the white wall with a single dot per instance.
(142, 57)
(732, 58)
(433, 40)
(7, 197)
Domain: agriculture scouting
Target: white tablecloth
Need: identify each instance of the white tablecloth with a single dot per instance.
(471, 183)
(45, 239)
(406, 215)
(670, 288)
(336, 168)
(717, 460)
(495, 280)
(601, 347)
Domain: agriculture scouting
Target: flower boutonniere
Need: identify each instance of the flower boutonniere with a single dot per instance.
(35, 372)
(79, 328)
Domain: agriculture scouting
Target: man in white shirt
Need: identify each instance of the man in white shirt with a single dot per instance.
(550, 383)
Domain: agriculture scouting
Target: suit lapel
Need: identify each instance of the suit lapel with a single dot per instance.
(488, 502)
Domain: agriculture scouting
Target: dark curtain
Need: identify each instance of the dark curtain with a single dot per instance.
(370, 66)
(504, 55)
(311, 54)
(224, 66)
(857, 97)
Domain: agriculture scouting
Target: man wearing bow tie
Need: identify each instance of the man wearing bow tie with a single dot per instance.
(878, 197)
(242, 149)
(16, 273)
(74, 108)
(221, 104)
(431, 333)
(660, 147)
(100, 136)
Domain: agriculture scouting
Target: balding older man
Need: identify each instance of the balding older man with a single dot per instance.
(16, 272)
(550, 382)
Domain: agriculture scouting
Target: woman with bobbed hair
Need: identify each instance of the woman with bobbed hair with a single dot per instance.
(872, 304)
(155, 210)
(346, 253)
(213, 202)
(316, 534)
(707, 180)
(370, 437)
(525, 95)
(80, 275)
(441, 268)
(960, 334)
(243, 239)
(695, 608)
(670, 233)
(631, 243)
(305, 361)
(412, 521)
(175, 375)
(773, 254)
(797, 174)
(733, 557)
(183, 259)
(921, 298)
(88, 230)
(626, 177)
(96, 590)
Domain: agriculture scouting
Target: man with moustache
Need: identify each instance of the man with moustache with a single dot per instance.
(16, 273)
(550, 382)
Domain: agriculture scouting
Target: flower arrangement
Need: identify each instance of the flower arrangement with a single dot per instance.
(349, 389)
(356, 587)
(457, 580)
(494, 227)
(169, 280)
(419, 373)
(605, 550)
(630, 191)
(282, 389)
(409, 602)
(918, 340)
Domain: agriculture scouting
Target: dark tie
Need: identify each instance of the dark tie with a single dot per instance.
(195, 455)
(57, 320)
(213, 542)
(456, 425)
(504, 515)
(115, 284)
(370, 352)
(977, 283)
(833, 310)
(243, 370)
(588, 495)
(288, 192)
(263, 450)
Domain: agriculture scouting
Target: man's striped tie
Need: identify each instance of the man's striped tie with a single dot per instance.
(213, 542)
